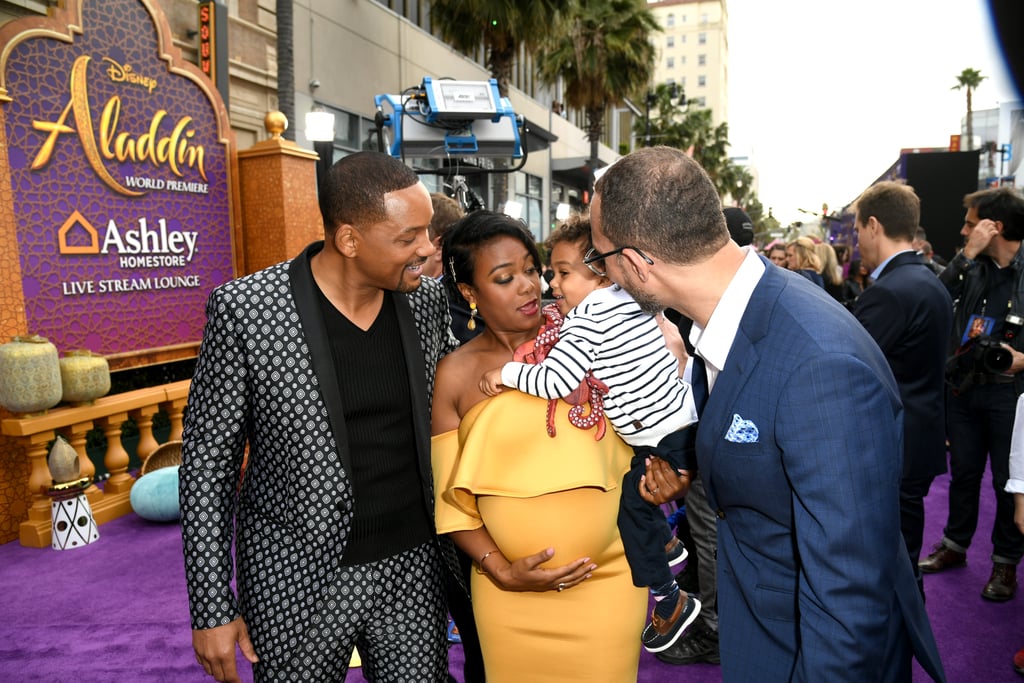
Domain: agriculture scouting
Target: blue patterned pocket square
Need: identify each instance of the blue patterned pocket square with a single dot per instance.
(741, 431)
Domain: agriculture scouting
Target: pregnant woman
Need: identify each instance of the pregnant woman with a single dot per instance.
(530, 496)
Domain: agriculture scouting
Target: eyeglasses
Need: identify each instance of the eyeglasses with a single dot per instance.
(593, 256)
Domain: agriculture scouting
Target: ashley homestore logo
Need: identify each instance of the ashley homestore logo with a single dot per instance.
(147, 245)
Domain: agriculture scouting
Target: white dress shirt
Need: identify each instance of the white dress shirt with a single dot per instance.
(713, 343)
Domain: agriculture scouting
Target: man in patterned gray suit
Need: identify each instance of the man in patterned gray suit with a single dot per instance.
(324, 366)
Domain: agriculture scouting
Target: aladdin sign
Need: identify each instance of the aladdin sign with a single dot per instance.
(118, 157)
(101, 141)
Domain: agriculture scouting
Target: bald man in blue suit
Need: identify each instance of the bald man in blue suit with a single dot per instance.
(799, 445)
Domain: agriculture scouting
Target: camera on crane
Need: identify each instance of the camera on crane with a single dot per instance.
(441, 118)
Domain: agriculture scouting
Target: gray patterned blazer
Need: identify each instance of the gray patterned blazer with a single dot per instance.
(265, 375)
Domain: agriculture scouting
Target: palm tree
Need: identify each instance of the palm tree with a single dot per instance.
(694, 130)
(501, 27)
(969, 79)
(286, 65)
(602, 54)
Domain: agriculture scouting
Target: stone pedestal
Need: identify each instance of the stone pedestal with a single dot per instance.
(280, 212)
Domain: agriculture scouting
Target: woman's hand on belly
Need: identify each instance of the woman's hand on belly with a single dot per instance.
(527, 574)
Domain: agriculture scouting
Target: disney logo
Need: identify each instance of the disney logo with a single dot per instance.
(123, 73)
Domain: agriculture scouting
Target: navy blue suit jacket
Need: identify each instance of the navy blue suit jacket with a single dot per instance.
(909, 313)
(800, 448)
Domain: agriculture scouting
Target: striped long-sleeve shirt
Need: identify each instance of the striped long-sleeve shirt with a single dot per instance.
(608, 334)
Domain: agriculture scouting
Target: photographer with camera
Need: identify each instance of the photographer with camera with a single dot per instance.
(986, 282)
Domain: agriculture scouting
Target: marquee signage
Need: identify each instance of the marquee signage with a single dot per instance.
(119, 159)
(213, 38)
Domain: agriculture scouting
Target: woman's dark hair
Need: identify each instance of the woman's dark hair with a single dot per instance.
(460, 244)
(853, 273)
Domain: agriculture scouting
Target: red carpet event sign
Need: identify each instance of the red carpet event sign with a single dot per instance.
(120, 179)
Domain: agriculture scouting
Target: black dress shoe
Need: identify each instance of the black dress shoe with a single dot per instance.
(941, 559)
(699, 644)
(1002, 585)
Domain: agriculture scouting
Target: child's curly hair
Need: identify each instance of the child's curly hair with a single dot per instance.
(574, 230)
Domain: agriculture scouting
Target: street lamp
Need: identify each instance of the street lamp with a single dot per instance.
(320, 131)
(651, 99)
(648, 101)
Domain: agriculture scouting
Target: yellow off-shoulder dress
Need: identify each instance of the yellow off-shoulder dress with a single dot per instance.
(502, 470)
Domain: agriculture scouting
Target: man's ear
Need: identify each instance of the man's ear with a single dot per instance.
(874, 226)
(346, 239)
(636, 263)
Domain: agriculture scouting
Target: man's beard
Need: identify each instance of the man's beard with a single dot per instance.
(404, 286)
(646, 302)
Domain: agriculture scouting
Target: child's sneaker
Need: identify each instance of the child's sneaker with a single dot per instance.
(675, 552)
(660, 634)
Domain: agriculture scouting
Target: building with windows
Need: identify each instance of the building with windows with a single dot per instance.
(999, 134)
(343, 54)
(693, 51)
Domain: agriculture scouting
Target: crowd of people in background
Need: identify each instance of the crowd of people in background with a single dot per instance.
(834, 267)
(384, 359)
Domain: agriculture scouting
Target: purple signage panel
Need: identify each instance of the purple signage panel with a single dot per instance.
(121, 184)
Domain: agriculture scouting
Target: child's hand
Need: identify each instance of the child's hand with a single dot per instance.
(491, 384)
(673, 340)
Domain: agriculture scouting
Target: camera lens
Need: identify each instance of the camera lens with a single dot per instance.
(996, 359)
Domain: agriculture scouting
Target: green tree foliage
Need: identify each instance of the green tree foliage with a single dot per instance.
(500, 27)
(692, 129)
(602, 53)
(969, 80)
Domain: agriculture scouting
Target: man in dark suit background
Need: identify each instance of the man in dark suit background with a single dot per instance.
(799, 442)
(910, 314)
(323, 366)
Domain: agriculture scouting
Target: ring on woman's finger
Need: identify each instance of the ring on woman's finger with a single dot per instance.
(655, 490)
(561, 587)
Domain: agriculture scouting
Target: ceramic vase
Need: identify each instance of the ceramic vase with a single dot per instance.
(29, 375)
(85, 376)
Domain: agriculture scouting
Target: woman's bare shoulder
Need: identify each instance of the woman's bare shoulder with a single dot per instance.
(457, 387)
(459, 363)
(447, 384)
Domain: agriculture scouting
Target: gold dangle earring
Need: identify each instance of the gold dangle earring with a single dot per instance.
(471, 325)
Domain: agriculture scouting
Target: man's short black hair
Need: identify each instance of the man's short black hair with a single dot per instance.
(1003, 204)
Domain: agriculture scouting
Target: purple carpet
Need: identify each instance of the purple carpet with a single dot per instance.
(117, 611)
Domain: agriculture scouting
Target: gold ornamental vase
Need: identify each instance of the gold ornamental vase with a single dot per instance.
(29, 375)
(85, 376)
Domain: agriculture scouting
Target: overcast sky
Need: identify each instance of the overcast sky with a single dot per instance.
(823, 95)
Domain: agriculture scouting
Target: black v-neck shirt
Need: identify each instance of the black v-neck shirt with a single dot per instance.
(390, 514)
